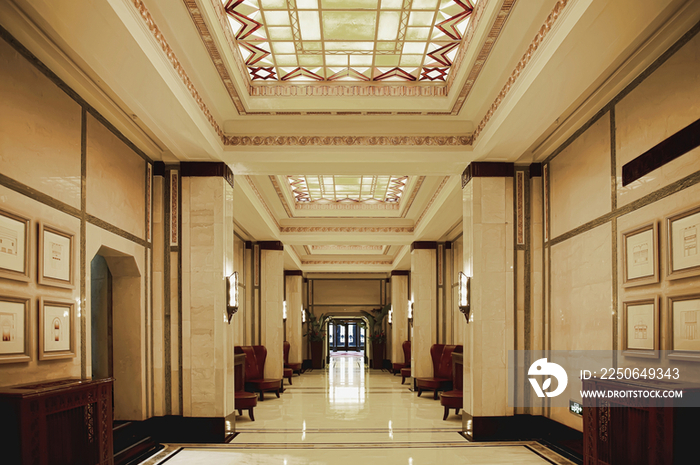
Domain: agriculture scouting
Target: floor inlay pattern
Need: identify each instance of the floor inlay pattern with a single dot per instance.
(349, 415)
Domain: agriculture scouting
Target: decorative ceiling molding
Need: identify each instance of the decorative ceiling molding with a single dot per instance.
(522, 64)
(261, 199)
(346, 229)
(455, 140)
(345, 248)
(344, 262)
(346, 206)
(432, 200)
(278, 189)
(175, 63)
(414, 193)
(480, 62)
(210, 45)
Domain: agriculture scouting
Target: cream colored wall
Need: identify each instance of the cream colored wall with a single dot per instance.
(39, 130)
(423, 292)
(586, 299)
(581, 179)
(346, 292)
(115, 180)
(458, 320)
(239, 264)
(40, 158)
(293, 286)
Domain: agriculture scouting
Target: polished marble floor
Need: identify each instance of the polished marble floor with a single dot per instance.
(347, 414)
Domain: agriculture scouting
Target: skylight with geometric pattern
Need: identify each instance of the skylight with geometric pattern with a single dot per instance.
(349, 40)
(347, 189)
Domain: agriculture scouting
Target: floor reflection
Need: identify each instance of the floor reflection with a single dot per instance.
(346, 384)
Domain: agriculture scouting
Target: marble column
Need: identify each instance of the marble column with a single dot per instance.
(207, 258)
(271, 302)
(488, 259)
(293, 284)
(399, 305)
(424, 297)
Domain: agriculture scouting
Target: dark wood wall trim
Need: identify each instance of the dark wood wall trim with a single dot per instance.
(271, 245)
(293, 273)
(249, 245)
(158, 168)
(400, 273)
(487, 169)
(535, 170)
(206, 169)
(664, 152)
(422, 245)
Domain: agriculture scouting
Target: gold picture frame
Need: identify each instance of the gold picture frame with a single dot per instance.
(55, 255)
(684, 327)
(15, 328)
(640, 255)
(683, 237)
(640, 327)
(56, 328)
(14, 246)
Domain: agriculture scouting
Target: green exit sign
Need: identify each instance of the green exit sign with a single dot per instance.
(575, 407)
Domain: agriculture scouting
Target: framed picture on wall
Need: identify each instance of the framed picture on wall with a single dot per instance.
(55, 257)
(15, 332)
(683, 330)
(14, 246)
(640, 328)
(683, 247)
(56, 328)
(640, 264)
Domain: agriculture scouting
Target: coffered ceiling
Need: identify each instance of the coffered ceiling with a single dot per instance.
(367, 96)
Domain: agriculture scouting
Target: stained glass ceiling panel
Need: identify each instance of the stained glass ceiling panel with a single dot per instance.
(349, 40)
(361, 189)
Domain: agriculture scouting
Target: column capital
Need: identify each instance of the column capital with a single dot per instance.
(421, 245)
(293, 273)
(206, 169)
(487, 169)
(271, 245)
(400, 272)
(535, 170)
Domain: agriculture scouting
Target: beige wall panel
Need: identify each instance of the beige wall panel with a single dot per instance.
(347, 291)
(36, 371)
(580, 179)
(581, 300)
(663, 104)
(115, 180)
(658, 211)
(39, 130)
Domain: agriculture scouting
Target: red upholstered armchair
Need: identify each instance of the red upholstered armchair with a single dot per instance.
(255, 357)
(441, 355)
(295, 367)
(396, 367)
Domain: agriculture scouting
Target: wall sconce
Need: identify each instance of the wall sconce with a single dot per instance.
(231, 295)
(464, 306)
(284, 310)
(410, 311)
(303, 315)
(390, 316)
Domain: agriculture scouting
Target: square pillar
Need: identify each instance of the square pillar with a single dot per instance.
(424, 297)
(207, 259)
(488, 259)
(271, 304)
(293, 283)
(399, 306)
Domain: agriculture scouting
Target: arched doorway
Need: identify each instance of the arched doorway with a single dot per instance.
(117, 330)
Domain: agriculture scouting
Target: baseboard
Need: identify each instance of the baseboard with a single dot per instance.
(564, 440)
(190, 430)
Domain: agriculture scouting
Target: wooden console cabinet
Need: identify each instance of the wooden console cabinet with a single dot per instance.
(639, 431)
(59, 422)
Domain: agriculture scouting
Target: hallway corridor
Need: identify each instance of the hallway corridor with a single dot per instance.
(347, 415)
